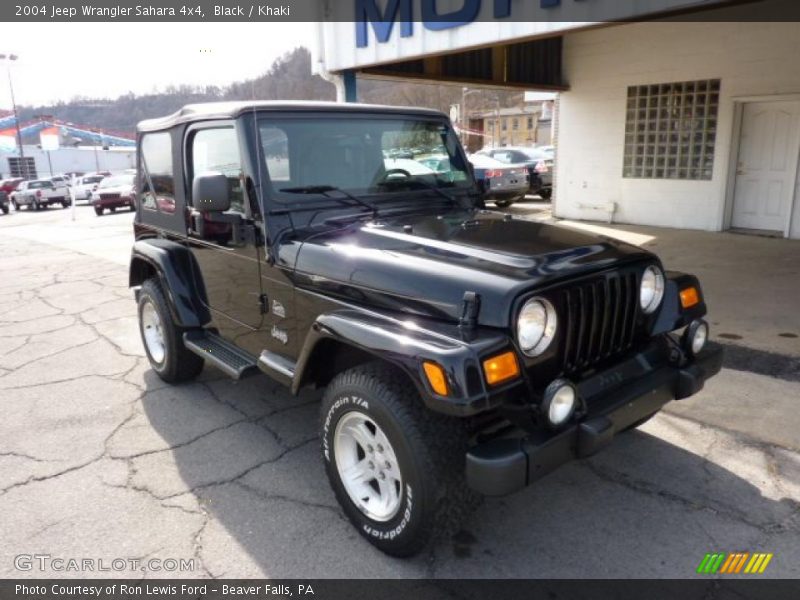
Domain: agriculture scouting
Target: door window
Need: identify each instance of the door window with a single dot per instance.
(217, 150)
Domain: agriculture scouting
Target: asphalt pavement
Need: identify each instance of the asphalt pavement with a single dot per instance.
(99, 459)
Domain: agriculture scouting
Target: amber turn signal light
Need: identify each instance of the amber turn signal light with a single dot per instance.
(436, 377)
(501, 368)
(689, 297)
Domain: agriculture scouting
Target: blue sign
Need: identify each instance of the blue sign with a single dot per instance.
(383, 22)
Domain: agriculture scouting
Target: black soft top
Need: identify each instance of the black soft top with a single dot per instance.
(231, 110)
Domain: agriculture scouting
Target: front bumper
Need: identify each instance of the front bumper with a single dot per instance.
(615, 398)
(120, 202)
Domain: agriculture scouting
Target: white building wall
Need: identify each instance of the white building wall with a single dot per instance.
(65, 160)
(751, 59)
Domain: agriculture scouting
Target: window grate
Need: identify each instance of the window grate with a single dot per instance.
(670, 130)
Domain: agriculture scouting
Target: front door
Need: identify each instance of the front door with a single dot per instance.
(226, 245)
(767, 166)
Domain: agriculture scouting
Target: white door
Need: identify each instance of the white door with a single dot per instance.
(767, 166)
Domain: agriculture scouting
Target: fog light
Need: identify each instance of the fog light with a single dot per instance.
(560, 400)
(695, 337)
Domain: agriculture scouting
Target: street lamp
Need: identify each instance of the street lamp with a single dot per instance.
(13, 57)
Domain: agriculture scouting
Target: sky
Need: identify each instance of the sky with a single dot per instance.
(58, 61)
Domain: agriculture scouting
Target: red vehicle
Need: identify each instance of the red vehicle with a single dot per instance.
(114, 192)
(10, 185)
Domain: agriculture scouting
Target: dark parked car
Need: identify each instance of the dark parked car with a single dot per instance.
(462, 351)
(539, 161)
(503, 183)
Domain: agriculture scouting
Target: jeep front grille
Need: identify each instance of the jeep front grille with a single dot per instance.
(600, 319)
(109, 196)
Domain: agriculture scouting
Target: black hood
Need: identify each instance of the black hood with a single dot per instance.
(424, 264)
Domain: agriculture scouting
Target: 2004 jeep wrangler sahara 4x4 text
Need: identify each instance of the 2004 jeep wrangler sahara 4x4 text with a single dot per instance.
(463, 351)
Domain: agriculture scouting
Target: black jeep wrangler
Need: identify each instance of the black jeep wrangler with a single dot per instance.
(464, 351)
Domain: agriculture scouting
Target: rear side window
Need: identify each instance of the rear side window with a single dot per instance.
(158, 185)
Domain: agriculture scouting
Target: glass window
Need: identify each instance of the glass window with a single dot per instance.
(157, 166)
(515, 124)
(670, 130)
(360, 155)
(217, 150)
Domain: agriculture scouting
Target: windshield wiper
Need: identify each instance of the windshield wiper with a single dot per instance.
(325, 189)
(425, 184)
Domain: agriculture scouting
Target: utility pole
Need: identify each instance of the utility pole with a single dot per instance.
(13, 57)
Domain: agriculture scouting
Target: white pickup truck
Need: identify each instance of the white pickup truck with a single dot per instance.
(39, 193)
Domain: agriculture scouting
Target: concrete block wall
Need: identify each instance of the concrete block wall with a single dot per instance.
(751, 59)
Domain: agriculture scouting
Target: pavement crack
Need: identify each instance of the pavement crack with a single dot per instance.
(22, 455)
(649, 489)
(40, 478)
(283, 498)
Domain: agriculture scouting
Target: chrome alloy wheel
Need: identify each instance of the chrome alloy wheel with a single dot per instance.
(368, 466)
(153, 333)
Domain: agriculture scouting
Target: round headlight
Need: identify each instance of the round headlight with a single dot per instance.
(560, 401)
(651, 291)
(536, 326)
(695, 337)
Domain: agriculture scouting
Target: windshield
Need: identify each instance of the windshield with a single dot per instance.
(117, 181)
(97, 179)
(361, 155)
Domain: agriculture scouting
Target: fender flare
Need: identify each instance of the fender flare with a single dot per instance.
(406, 347)
(672, 315)
(174, 264)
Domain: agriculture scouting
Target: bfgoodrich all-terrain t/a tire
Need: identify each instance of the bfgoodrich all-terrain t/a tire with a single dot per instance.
(396, 468)
(163, 339)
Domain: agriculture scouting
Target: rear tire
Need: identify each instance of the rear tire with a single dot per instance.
(98, 210)
(546, 194)
(163, 339)
(113, 209)
(397, 469)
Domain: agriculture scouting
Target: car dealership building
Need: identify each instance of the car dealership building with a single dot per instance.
(670, 113)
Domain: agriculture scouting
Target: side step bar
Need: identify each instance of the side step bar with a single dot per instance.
(229, 359)
(277, 367)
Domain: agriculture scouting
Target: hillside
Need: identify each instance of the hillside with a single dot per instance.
(288, 78)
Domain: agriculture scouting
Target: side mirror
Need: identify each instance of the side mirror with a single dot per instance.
(210, 192)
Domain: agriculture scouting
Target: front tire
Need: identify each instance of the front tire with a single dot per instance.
(163, 339)
(397, 469)
(503, 203)
(98, 210)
